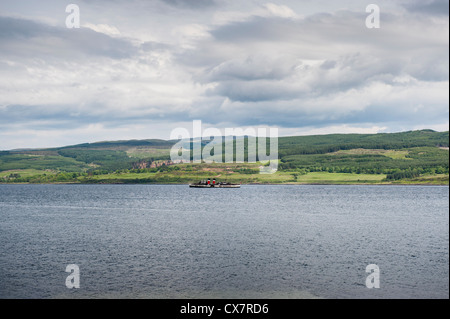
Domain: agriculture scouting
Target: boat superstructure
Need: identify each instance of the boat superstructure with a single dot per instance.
(213, 184)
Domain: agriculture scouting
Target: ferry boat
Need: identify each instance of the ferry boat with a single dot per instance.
(214, 184)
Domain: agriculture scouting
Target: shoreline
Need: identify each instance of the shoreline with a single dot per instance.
(244, 184)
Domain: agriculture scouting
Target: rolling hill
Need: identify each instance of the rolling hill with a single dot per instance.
(388, 157)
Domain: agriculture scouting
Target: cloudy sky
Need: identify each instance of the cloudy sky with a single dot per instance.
(138, 69)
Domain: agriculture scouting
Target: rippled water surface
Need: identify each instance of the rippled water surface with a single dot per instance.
(161, 241)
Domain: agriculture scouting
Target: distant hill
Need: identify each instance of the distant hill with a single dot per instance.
(321, 144)
(121, 144)
(414, 152)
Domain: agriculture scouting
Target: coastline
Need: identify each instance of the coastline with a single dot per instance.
(244, 184)
(186, 178)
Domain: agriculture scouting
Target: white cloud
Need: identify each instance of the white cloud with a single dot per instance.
(280, 10)
(103, 28)
(300, 66)
(335, 129)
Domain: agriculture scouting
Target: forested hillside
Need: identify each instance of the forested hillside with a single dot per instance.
(396, 156)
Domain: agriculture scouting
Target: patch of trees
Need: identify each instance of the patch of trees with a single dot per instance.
(424, 160)
(322, 144)
(414, 173)
(109, 160)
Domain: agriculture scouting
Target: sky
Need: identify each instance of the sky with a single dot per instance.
(139, 69)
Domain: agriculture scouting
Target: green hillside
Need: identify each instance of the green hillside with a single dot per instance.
(321, 144)
(407, 157)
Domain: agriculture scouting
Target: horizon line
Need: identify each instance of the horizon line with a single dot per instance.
(222, 136)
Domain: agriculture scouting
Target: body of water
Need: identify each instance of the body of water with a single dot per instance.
(171, 241)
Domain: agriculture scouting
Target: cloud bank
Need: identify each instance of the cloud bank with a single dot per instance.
(138, 69)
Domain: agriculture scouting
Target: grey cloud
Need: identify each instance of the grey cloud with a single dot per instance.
(343, 27)
(40, 116)
(284, 114)
(321, 35)
(19, 37)
(387, 113)
(433, 7)
(254, 67)
(256, 91)
(256, 28)
(188, 5)
(194, 4)
(69, 116)
(354, 71)
(155, 46)
(291, 79)
(354, 56)
(429, 66)
(321, 70)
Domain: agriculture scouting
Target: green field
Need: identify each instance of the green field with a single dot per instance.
(394, 154)
(277, 178)
(332, 178)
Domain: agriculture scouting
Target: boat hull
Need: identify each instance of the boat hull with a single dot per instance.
(215, 186)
